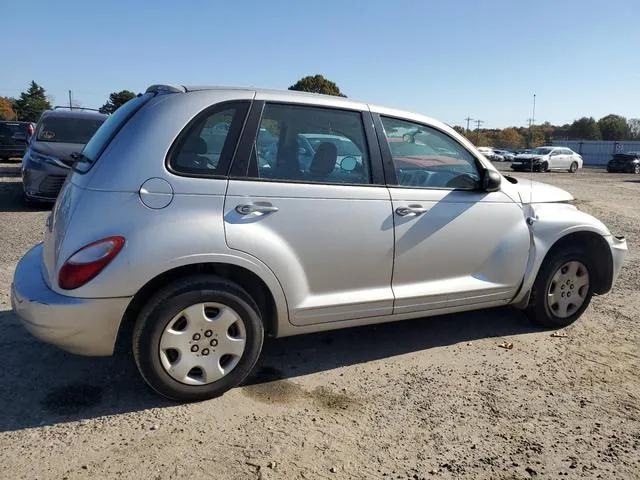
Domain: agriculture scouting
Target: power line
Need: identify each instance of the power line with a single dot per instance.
(468, 119)
(478, 123)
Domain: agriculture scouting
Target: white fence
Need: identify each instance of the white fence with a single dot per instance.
(598, 152)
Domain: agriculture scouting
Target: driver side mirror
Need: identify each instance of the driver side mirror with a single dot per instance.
(491, 181)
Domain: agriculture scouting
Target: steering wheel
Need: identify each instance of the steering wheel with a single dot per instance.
(464, 181)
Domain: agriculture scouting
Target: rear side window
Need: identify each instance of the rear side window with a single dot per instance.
(207, 144)
(311, 144)
(112, 125)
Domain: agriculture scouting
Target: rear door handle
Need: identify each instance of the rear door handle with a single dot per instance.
(414, 209)
(248, 209)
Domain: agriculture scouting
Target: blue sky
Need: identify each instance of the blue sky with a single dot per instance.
(449, 60)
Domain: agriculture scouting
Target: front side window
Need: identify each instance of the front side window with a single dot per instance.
(425, 157)
(311, 144)
(206, 147)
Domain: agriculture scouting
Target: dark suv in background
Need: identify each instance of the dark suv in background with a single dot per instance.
(628, 162)
(61, 133)
(14, 137)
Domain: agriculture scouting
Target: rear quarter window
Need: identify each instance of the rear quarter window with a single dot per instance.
(205, 147)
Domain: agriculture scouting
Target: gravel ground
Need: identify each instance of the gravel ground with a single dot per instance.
(435, 398)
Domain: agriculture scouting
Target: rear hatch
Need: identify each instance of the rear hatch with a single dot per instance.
(72, 190)
(59, 136)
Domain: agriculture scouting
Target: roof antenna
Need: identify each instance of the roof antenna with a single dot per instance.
(533, 121)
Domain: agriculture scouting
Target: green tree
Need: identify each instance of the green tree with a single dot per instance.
(317, 84)
(31, 103)
(614, 127)
(6, 109)
(116, 100)
(634, 127)
(509, 138)
(585, 128)
(459, 129)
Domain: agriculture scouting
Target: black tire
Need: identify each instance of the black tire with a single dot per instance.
(544, 167)
(538, 309)
(573, 168)
(636, 169)
(169, 302)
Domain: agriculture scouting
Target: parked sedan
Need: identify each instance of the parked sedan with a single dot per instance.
(544, 159)
(60, 133)
(208, 250)
(506, 155)
(625, 162)
(491, 154)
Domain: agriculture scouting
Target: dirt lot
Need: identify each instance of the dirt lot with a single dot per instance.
(435, 398)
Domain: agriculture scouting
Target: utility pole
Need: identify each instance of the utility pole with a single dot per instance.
(70, 106)
(478, 123)
(533, 116)
(468, 119)
(532, 119)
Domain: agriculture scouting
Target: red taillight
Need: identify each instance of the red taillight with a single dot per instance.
(88, 262)
(30, 129)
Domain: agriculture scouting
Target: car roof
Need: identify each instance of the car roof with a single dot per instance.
(292, 95)
(320, 100)
(77, 113)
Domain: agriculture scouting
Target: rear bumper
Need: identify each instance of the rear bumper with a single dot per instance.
(85, 326)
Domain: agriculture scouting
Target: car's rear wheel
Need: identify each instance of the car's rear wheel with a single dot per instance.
(573, 168)
(197, 338)
(636, 169)
(562, 290)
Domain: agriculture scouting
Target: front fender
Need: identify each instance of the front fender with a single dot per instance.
(548, 224)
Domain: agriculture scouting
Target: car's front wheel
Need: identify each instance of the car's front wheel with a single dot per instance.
(562, 290)
(636, 169)
(573, 168)
(197, 338)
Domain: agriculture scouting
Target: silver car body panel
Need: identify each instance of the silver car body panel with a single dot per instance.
(331, 256)
(330, 246)
(439, 262)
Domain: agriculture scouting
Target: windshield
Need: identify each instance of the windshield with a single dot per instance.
(344, 145)
(541, 151)
(68, 129)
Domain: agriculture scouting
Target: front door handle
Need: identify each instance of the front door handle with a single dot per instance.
(256, 208)
(410, 210)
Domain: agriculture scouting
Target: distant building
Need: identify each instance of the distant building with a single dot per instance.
(598, 152)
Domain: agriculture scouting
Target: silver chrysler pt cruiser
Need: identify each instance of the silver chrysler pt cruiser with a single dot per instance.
(211, 217)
